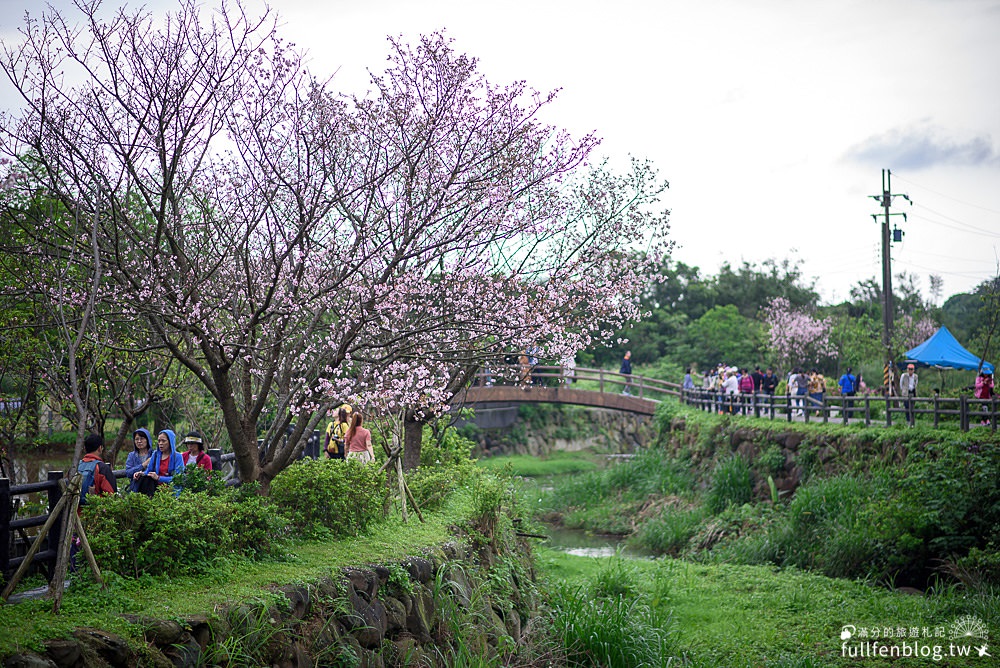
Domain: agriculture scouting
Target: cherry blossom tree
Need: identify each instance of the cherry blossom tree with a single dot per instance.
(796, 337)
(290, 246)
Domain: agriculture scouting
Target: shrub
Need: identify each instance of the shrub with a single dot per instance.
(329, 498)
(196, 479)
(431, 485)
(732, 483)
(445, 446)
(135, 534)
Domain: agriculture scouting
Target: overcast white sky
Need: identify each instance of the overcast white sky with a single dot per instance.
(772, 119)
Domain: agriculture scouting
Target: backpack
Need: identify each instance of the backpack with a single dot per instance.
(89, 472)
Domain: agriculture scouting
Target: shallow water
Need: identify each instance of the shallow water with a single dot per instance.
(582, 544)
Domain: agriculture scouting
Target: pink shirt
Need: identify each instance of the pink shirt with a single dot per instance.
(359, 442)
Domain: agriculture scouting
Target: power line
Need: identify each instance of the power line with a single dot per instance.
(956, 221)
(940, 194)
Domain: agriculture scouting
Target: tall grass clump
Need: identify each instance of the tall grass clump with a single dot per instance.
(837, 526)
(732, 484)
(652, 472)
(610, 632)
(670, 531)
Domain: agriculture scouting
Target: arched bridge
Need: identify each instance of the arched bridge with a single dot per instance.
(564, 385)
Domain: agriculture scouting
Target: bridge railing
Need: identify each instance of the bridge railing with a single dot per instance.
(583, 378)
(867, 409)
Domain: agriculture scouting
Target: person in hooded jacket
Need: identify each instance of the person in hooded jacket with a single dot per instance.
(138, 459)
(166, 462)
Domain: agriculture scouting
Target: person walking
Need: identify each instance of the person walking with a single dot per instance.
(359, 441)
(336, 433)
(848, 388)
(908, 390)
(626, 370)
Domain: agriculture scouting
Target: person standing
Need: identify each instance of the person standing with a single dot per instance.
(848, 388)
(687, 387)
(359, 441)
(908, 390)
(817, 388)
(138, 459)
(336, 432)
(798, 386)
(769, 383)
(626, 370)
(984, 390)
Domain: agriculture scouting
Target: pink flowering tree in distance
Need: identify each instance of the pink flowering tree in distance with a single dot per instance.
(910, 331)
(291, 246)
(795, 337)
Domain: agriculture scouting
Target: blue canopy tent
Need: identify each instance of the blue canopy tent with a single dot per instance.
(943, 351)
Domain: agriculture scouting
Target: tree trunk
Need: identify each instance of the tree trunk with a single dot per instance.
(121, 438)
(31, 408)
(413, 436)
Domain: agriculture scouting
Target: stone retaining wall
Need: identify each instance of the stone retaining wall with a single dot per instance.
(399, 614)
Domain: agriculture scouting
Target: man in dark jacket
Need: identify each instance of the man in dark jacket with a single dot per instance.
(769, 383)
(626, 370)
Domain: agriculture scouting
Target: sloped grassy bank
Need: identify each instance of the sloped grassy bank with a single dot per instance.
(710, 615)
(315, 574)
(901, 505)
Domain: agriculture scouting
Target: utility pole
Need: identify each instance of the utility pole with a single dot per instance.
(885, 199)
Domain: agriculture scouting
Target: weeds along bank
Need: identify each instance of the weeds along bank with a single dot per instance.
(895, 505)
(315, 574)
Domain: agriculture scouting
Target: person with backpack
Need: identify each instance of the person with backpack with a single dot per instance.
(98, 477)
(336, 433)
(195, 453)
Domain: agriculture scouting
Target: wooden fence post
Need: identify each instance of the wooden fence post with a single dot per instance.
(4, 526)
(55, 532)
(963, 409)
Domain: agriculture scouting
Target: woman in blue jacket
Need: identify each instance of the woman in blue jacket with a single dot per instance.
(139, 458)
(166, 461)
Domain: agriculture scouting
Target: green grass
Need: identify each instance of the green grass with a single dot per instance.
(529, 466)
(726, 615)
(84, 604)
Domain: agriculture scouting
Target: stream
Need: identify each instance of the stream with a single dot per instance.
(583, 544)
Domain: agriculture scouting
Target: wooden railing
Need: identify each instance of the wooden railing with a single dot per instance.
(15, 539)
(581, 378)
(869, 410)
